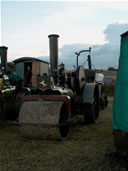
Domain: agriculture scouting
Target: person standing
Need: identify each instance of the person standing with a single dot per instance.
(61, 75)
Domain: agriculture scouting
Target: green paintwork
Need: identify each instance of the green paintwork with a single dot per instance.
(120, 104)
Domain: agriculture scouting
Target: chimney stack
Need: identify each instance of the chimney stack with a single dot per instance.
(89, 62)
(3, 56)
(53, 45)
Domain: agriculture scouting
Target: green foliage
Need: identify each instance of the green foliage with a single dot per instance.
(108, 89)
(11, 67)
(14, 79)
(112, 69)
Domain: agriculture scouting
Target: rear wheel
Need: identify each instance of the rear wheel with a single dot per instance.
(91, 114)
(91, 111)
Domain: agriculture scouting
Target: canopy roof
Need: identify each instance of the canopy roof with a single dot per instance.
(27, 59)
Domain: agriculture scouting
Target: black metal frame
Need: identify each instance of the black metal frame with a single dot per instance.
(78, 54)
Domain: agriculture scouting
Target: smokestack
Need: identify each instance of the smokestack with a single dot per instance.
(3, 56)
(89, 62)
(53, 43)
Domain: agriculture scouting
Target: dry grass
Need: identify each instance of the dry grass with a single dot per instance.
(89, 147)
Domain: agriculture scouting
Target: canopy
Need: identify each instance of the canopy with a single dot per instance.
(120, 103)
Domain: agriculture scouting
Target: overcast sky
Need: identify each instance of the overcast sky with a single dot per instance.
(25, 26)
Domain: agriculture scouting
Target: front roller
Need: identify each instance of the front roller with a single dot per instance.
(45, 118)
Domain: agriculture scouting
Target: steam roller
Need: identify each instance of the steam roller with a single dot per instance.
(10, 91)
(50, 114)
(45, 117)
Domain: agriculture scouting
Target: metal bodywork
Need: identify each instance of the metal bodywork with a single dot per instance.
(50, 115)
(10, 92)
(78, 54)
(88, 93)
(3, 57)
(45, 117)
(91, 101)
(53, 42)
(10, 102)
(80, 78)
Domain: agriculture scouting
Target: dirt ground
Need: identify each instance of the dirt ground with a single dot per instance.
(88, 148)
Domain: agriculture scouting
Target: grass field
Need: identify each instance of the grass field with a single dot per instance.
(89, 148)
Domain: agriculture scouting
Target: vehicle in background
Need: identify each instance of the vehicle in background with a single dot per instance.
(109, 81)
(99, 78)
(11, 91)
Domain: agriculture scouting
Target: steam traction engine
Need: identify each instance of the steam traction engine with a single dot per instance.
(50, 114)
(10, 94)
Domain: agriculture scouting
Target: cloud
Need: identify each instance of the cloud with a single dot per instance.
(79, 24)
(118, 5)
(74, 24)
(69, 15)
(103, 56)
(113, 31)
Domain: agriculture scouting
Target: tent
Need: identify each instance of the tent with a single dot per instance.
(120, 103)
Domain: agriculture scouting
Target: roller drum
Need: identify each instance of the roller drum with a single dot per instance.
(43, 120)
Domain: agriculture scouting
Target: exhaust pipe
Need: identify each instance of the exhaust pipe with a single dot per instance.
(89, 62)
(3, 57)
(53, 45)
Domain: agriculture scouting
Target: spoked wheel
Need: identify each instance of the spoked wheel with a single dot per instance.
(91, 111)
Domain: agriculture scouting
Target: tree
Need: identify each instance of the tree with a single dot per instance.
(11, 67)
(112, 69)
